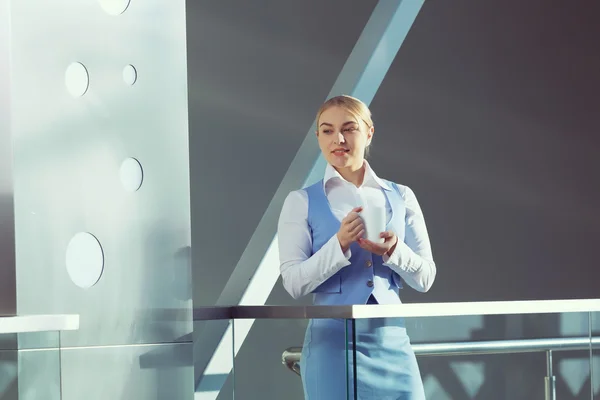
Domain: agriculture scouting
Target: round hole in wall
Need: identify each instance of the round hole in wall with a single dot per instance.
(114, 7)
(129, 74)
(77, 79)
(84, 260)
(131, 174)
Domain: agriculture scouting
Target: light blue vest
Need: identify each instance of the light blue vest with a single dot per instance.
(366, 274)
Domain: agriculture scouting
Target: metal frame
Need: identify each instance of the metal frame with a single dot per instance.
(257, 271)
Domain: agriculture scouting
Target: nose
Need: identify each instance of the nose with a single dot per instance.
(340, 138)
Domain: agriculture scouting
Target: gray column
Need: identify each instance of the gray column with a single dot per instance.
(9, 357)
(7, 222)
(99, 117)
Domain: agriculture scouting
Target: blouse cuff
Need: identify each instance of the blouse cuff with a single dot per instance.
(339, 259)
(400, 258)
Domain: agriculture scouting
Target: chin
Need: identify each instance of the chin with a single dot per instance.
(341, 163)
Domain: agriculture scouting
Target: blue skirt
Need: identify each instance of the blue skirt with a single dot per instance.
(386, 366)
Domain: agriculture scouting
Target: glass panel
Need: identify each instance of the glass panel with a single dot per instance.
(39, 340)
(572, 366)
(9, 367)
(352, 344)
(213, 359)
(461, 357)
(267, 368)
(30, 366)
(494, 357)
(260, 372)
(39, 373)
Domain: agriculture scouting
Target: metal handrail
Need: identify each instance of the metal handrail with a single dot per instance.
(370, 311)
(291, 356)
(506, 346)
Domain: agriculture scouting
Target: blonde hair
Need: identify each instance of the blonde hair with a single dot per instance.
(354, 106)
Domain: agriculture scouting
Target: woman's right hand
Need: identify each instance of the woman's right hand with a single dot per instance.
(351, 229)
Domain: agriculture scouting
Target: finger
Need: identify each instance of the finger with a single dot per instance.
(354, 224)
(372, 246)
(357, 232)
(352, 217)
(365, 244)
(386, 234)
(353, 214)
(350, 224)
(356, 237)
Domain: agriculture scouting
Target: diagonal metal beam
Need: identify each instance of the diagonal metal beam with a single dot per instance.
(257, 271)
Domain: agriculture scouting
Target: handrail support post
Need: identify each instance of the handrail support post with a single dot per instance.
(550, 379)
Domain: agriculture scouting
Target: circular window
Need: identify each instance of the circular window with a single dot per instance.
(131, 174)
(77, 79)
(114, 7)
(85, 260)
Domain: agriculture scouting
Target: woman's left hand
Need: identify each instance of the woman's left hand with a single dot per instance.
(387, 247)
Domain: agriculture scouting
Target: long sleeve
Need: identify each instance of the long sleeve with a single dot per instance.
(302, 271)
(413, 258)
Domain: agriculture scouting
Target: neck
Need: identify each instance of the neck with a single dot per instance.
(354, 175)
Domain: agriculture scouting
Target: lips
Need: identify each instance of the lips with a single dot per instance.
(340, 151)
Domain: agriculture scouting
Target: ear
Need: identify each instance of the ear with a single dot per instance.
(317, 133)
(370, 134)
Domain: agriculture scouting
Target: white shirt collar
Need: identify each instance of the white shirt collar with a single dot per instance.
(370, 175)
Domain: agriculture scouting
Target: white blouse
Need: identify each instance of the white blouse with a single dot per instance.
(302, 271)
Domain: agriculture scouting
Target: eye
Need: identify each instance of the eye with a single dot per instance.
(327, 131)
(350, 129)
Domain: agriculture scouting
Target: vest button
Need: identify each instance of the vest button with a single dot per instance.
(368, 263)
(370, 283)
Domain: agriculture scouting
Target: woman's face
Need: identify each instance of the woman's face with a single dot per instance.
(342, 138)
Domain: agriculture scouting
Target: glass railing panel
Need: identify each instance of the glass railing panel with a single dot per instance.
(572, 367)
(470, 357)
(517, 354)
(261, 372)
(9, 367)
(214, 372)
(30, 366)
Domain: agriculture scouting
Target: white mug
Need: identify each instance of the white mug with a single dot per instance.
(375, 222)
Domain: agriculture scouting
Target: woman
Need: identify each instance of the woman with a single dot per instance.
(323, 251)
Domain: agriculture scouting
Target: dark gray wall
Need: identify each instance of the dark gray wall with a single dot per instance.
(257, 73)
(490, 112)
(487, 113)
